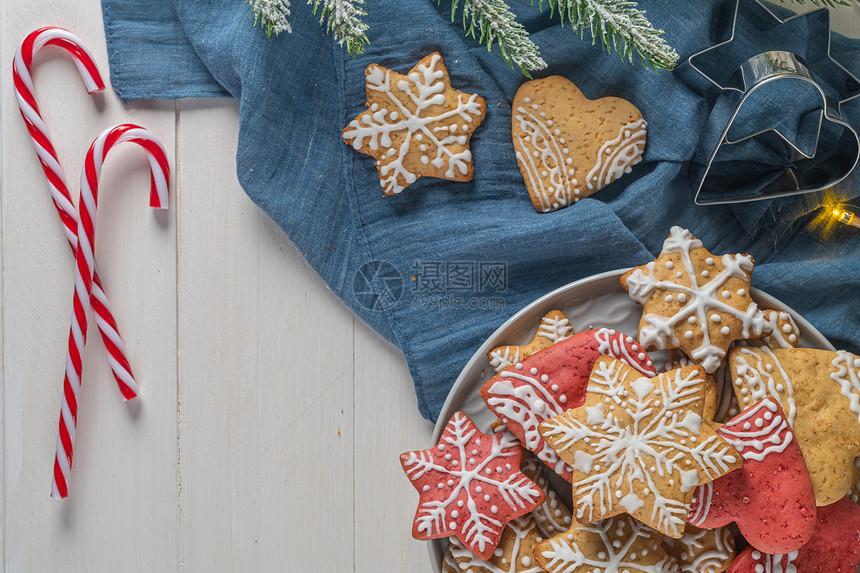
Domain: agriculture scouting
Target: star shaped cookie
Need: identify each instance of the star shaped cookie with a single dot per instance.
(694, 300)
(819, 391)
(554, 327)
(639, 445)
(416, 125)
(470, 486)
(609, 546)
(703, 550)
(515, 553)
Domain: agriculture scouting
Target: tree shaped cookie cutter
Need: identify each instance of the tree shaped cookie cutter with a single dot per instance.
(769, 162)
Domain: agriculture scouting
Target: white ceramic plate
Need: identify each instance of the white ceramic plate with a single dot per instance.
(593, 302)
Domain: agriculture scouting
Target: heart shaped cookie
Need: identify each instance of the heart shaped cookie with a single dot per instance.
(569, 146)
(770, 497)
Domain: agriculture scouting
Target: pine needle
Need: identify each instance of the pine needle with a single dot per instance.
(620, 27)
(491, 21)
(272, 16)
(344, 20)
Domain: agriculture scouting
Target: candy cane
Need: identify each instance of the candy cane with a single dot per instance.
(84, 260)
(52, 36)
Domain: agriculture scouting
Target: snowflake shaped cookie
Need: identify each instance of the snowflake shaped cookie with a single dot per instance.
(470, 486)
(639, 445)
(703, 550)
(554, 327)
(613, 545)
(416, 125)
(695, 301)
(515, 553)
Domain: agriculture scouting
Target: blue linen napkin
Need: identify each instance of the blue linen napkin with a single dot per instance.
(452, 261)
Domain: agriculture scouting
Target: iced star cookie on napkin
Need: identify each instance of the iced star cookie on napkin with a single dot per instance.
(694, 300)
(639, 446)
(417, 125)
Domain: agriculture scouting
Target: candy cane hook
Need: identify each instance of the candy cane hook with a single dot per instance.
(84, 261)
(23, 61)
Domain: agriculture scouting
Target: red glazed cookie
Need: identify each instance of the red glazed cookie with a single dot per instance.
(639, 446)
(470, 486)
(770, 497)
(834, 547)
(553, 380)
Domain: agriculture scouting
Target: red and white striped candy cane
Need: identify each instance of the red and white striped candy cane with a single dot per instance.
(35, 41)
(84, 261)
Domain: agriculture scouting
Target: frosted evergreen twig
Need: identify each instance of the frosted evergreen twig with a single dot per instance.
(495, 22)
(272, 15)
(830, 3)
(620, 27)
(344, 19)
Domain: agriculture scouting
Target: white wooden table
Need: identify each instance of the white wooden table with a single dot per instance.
(271, 419)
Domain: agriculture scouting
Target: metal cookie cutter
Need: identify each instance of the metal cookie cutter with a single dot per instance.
(737, 163)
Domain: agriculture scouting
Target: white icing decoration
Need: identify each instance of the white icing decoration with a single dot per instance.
(659, 331)
(480, 529)
(749, 366)
(628, 445)
(504, 356)
(557, 189)
(554, 326)
(612, 343)
(564, 555)
(424, 88)
(615, 157)
(846, 375)
(710, 561)
(520, 529)
(769, 435)
(775, 563)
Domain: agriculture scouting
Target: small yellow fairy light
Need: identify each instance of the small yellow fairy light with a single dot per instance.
(846, 217)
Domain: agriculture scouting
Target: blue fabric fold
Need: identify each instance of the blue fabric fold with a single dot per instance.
(438, 267)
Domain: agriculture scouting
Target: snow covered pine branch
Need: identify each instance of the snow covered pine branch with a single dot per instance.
(618, 24)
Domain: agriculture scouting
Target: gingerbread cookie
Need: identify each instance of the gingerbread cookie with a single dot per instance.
(553, 516)
(855, 489)
(613, 545)
(770, 497)
(514, 554)
(834, 547)
(819, 391)
(639, 446)
(695, 301)
(703, 550)
(553, 380)
(678, 359)
(554, 327)
(568, 146)
(417, 125)
(470, 486)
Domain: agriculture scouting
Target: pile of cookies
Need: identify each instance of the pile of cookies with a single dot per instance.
(738, 457)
